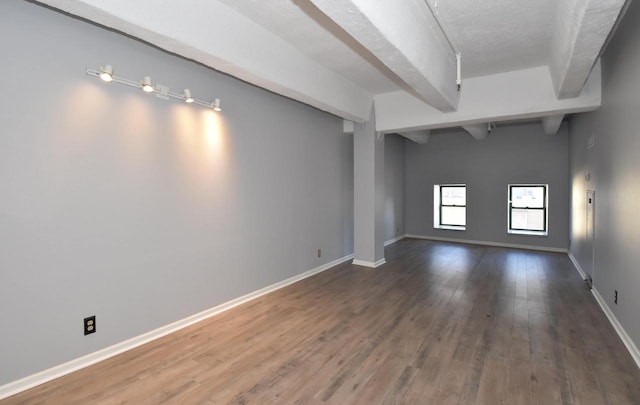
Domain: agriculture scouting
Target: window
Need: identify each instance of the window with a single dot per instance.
(528, 209)
(450, 206)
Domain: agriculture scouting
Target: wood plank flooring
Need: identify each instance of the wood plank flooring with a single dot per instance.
(440, 323)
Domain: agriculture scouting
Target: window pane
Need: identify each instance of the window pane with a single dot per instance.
(453, 216)
(532, 220)
(532, 197)
(454, 196)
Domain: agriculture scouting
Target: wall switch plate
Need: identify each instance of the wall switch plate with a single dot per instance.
(90, 325)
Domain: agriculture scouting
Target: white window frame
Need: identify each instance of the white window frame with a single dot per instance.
(544, 209)
(437, 208)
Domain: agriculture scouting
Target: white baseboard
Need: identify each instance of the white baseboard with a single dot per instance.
(626, 339)
(394, 240)
(485, 243)
(66, 368)
(624, 336)
(577, 265)
(369, 264)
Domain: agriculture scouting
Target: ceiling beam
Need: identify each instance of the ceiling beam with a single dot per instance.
(478, 131)
(551, 124)
(520, 95)
(407, 39)
(581, 29)
(348, 127)
(217, 36)
(420, 137)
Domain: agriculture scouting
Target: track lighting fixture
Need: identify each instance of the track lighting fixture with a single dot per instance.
(146, 84)
(106, 74)
(187, 96)
(216, 105)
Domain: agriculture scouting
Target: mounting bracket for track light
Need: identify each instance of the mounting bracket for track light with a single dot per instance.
(162, 92)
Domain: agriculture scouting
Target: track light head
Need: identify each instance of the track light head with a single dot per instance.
(187, 96)
(147, 86)
(216, 105)
(106, 73)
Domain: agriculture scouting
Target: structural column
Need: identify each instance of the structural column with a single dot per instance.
(368, 194)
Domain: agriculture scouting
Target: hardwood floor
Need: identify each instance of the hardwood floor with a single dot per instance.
(440, 323)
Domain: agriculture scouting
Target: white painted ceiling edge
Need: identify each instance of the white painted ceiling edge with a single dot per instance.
(517, 95)
(420, 137)
(218, 36)
(582, 28)
(215, 35)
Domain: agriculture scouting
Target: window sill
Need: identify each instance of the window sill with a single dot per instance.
(451, 228)
(533, 233)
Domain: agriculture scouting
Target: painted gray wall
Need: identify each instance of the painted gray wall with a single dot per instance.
(614, 165)
(143, 211)
(512, 154)
(393, 186)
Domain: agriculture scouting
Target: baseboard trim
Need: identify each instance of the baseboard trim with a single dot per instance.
(577, 265)
(485, 243)
(394, 240)
(626, 339)
(42, 377)
(372, 265)
(624, 336)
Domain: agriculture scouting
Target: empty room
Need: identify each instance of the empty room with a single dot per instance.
(320, 202)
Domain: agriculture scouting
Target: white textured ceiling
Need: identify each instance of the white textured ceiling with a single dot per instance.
(520, 58)
(305, 27)
(496, 36)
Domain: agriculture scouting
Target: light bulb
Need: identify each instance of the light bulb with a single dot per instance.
(146, 85)
(216, 105)
(187, 96)
(106, 73)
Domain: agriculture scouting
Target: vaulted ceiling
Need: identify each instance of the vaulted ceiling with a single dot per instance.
(519, 59)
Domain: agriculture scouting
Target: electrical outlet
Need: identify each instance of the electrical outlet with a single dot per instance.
(90, 325)
(615, 297)
(319, 252)
(397, 229)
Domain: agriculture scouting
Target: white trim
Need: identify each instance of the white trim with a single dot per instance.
(451, 227)
(373, 265)
(532, 233)
(394, 240)
(577, 265)
(42, 377)
(633, 349)
(485, 243)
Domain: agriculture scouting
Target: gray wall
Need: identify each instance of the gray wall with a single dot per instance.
(614, 165)
(512, 154)
(394, 186)
(143, 211)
